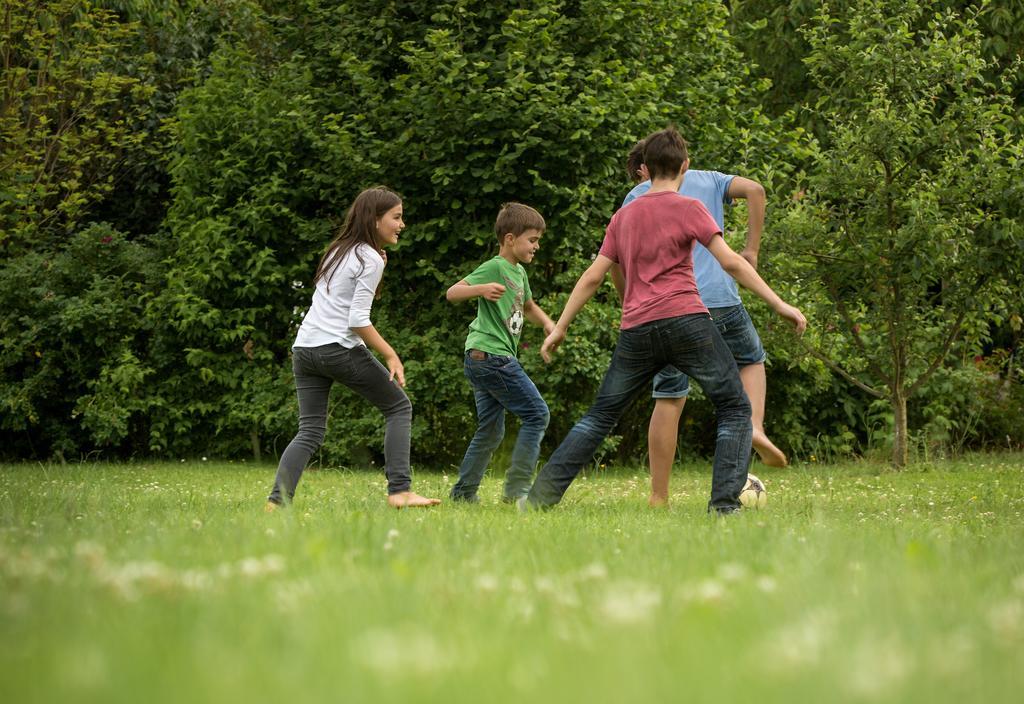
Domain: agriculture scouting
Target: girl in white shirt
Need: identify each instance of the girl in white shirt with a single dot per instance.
(331, 346)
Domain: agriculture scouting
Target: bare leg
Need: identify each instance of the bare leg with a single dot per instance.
(662, 437)
(410, 499)
(753, 378)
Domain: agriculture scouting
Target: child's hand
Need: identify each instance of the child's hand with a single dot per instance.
(397, 370)
(795, 317)
(492, 292)
(551, 343)
(751, 256)
(384, 256)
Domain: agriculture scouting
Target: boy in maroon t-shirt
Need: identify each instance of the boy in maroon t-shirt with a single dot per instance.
(663, 322)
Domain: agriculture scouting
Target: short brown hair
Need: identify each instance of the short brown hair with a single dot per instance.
(665, 153)
(635, 160)
(516, 218)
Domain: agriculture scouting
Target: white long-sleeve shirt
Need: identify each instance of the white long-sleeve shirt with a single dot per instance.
(342, 300)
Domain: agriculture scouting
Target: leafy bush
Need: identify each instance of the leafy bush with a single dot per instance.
(74, 344)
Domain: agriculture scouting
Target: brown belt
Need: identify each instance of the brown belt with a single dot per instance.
(477, 355)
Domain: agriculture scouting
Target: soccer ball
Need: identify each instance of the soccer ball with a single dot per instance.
(754, 495)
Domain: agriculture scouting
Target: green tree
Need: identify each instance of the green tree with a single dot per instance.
(71, 100)
(84, 91)
(908, 238)
(771, 33)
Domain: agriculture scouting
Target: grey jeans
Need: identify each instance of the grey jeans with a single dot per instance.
(316, 369)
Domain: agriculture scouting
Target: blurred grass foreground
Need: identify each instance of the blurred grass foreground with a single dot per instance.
(167, 583)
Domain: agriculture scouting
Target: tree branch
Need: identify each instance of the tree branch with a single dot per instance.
(818, 255)
(954, 332)
(841, 372)
(858, 341)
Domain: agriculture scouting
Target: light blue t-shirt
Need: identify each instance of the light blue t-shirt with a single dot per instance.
(717, 288)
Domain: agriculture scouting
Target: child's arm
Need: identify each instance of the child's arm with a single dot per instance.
(740, 269)
(462, 291)
(366, 283)
(753, 193)
(535, 315)
(374, 341)
(585, 288)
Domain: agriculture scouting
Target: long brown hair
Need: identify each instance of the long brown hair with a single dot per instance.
(360, 226)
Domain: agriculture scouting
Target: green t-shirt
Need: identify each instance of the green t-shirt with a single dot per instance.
(498, 324)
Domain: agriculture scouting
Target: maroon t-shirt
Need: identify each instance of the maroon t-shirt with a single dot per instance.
(652, 241)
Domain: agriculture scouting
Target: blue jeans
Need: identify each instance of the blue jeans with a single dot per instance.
(500, 384)
(692, 344)
(739, 334)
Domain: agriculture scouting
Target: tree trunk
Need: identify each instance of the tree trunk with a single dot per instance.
(254, 440)
(900, 446)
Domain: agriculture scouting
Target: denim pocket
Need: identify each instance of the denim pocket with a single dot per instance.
(635, 344)
(303, 360)
(730, 318)
(485, 375)
(336, 361)
(690, 335)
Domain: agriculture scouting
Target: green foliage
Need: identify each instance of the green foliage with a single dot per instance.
(977, 403)
(460, 106)
(72, 102)
(909, 236)
(772, 34)
(72, 340)
(239, 244)
(172, 170)
(86, 88)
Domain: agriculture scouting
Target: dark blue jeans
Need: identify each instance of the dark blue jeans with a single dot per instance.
(500, 384)
(692, 344)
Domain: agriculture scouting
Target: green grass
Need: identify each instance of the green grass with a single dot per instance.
(167, 583)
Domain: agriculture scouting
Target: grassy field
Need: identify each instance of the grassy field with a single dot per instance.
(167, 583)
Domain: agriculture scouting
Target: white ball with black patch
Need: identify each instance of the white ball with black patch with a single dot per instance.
(515, 322)
(754, 495)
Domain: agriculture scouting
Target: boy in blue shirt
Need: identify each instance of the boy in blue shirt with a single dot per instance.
(720, 294)
(504, 301)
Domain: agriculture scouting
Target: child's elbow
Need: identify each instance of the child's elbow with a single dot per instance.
(734, 264)
(592, 278)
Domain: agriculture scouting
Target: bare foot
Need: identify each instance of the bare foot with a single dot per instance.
(766, 450)
(655, 501)
(409, 499)
(271, 507)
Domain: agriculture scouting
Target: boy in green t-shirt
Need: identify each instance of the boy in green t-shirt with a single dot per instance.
(499, 382)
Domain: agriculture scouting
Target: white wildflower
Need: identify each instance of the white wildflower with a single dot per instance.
(594, 570)
(732, 572)
(709, 591)
(416, 653)
(1006, 619)
(487, 583)
(627, 602)
(877, 666)
(801, 644)
(196, 580)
